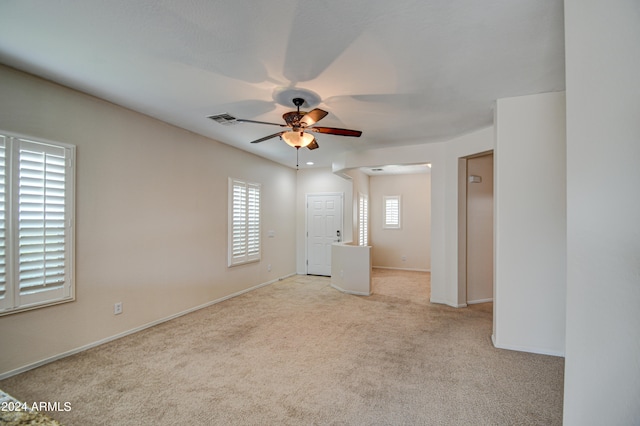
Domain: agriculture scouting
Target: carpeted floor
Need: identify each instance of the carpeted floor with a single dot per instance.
(299, 352)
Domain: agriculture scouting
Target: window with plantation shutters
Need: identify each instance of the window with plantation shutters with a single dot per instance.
(36, 223)
(391, 212)
(244, 222)
(363, 220)
(3, 226)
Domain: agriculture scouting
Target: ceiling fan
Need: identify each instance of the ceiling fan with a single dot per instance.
(300, 123)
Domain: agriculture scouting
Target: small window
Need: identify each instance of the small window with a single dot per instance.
(36, 223)
(363, 220)
(391, 212)
(244, 222)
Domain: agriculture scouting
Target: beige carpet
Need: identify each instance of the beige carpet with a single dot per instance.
(299, 352)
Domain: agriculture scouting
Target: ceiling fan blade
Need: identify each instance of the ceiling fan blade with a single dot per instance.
(242, 120)
(335, 131)
(313, 144)
(267, 137)
(312, 117)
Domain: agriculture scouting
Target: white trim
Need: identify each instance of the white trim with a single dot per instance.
(402, 269)
(474, 302)
(530, 349)
(133, 330)
(356, 293)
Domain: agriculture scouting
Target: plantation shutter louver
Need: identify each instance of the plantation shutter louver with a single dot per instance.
(244, 226)
(3, 224)
(42, 225)
(253, 221)
(363, 217)
(239, 222)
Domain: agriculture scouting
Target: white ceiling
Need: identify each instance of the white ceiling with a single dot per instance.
(404, 72)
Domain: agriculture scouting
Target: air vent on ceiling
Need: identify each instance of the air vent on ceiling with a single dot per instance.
(225, 119)
(377, 170)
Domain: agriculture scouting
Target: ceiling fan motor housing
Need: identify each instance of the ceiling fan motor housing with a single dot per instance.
(293, 118)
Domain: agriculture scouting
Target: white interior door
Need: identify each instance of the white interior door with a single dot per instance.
(324, 227)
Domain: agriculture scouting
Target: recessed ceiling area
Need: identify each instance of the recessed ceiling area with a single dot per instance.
(403, 72)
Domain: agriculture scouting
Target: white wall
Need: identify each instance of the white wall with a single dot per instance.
(351, 268)
(151, 219)
(602, 369)
(530, 224)
(443, 157)
(413, 240)
(313, 181)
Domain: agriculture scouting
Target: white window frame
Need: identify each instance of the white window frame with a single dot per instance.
(363, 219)
(244, 222)
(392, 212)
(37, 214)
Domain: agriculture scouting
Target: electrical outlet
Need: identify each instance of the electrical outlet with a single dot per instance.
(404, 258)
(117, 308)
(269, 267)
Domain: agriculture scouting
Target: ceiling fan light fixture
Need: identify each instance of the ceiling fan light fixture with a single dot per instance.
(297, 139)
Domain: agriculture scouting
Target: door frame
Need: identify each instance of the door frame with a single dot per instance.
(462, 225)
(306, 222)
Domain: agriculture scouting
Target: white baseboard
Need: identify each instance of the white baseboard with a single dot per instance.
(133, 330)
(474, 302)
(530, 349)
(444, 302)
(402, 269)
(357, 293)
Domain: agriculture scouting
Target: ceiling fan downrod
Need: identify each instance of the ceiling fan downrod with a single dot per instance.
(298, 102)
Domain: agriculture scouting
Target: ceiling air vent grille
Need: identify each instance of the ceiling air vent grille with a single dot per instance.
(225, 119)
